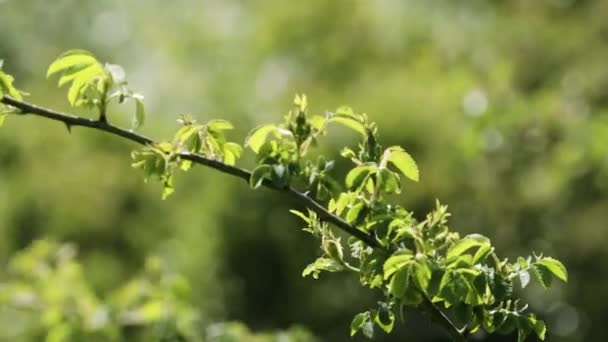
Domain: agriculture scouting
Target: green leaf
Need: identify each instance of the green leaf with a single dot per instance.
(84, 79)
(354, 213)
(6, 86)
(321, 264)
(555, 267)
(396, 262)
(219, 125)
(385, 318)
(232, 151)
(357, 176)
(388, 182)
(140, 113)
(464, 244)
(402, 161)
(259, 174)
(423, 274)
(358, 321)
(167, 186)
(346, 117)
(300, 215)
(540, 329)
(70, 59)
(257, 137)
(301, 101)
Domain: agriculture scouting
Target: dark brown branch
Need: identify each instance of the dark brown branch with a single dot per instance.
(71, 120)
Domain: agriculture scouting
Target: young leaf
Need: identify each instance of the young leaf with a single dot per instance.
(219, 125)
(555, 267)
(396, 262)
(232, 152)
(6, 86)
(385, 318)
(257, 137)
(464, 244)
(71, 59)
(351, 122)
(258, 175)
(321, 264)
(403, 161)
(357, 176)
(358, 322)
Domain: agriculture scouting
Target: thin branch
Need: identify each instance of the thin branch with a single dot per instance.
(71, 120)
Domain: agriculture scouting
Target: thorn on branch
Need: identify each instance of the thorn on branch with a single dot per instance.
(69, 127)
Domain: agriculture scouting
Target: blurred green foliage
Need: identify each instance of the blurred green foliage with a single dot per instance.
(503, 104)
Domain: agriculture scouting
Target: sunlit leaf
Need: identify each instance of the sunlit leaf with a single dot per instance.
(69, 59)
(350, 122)
(396, 262)
(464, 244)
(357, 176)
(219, 125)
(555, 267)
(6, 86)
(257, 137)
(403, 161)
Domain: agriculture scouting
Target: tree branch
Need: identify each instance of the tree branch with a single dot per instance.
(69, 120)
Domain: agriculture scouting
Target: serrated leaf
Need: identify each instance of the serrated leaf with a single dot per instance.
(350, 122)
(358, 321)
(555, 267)
(6, 86)
(232, 151)
(396, 262)
(300, 215)
(69, 59)
(357, 176)
(321, 264)
(423, 275)
(385, 319)
(389, 182)
(403, 161)
(259, 174)
(354, 212)
(464, 244)
(257, 137)
(543, 275)
(219, 125)
(540, 329)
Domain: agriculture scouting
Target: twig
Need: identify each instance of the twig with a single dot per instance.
(72, 120)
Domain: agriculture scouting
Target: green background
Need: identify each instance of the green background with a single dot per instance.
(503, 104)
